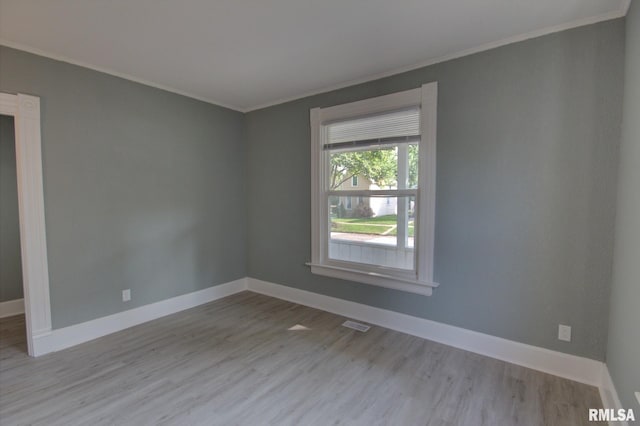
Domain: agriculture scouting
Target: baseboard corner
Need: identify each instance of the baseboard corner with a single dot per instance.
(609, 394)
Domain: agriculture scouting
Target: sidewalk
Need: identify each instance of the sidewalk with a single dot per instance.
(368, 238)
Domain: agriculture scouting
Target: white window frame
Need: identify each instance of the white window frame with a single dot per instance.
(420, 280)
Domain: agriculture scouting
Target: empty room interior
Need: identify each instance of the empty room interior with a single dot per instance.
(296, 212)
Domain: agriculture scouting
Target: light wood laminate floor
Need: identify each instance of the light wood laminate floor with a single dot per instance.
(238, 361)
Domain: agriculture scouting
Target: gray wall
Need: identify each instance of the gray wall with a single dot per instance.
(623, 351)
(10, 259)
(528, 138)
(143, 189)
(162, 194)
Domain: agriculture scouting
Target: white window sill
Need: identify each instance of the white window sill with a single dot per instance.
(381, 280)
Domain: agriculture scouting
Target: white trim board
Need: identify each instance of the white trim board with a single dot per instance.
(11, 308)
(571, 367)
(609, 395)
(74, 335)
(25, 110)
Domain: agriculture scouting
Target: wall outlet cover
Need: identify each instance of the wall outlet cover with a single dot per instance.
(564, 333)
(126, 295)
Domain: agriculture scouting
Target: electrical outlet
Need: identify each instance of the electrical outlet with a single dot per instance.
(564, 333)
(126, 295)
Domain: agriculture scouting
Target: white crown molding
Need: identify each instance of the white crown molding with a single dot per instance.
(624, 9)
(66, 337)
(61, 58)
(487, 46)
(560, 364)
(11, 308)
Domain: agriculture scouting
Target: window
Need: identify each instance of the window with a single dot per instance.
(385, 239)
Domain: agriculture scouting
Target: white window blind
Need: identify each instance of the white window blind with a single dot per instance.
(388, 128)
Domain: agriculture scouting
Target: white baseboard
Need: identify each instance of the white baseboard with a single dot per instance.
(73, 335)
(11, 308)
(572, 367)
(609, 395)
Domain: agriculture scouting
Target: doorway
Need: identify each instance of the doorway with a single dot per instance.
(23, 111)
(12, 321)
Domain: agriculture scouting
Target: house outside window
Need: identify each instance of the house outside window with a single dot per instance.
(385, 148)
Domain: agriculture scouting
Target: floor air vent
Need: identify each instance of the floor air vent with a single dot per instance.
(356, 326)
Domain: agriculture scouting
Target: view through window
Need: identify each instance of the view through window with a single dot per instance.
(371, 160)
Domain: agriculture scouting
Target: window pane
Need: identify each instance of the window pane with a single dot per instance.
(412, 166)
(377, 231)
(388, 167)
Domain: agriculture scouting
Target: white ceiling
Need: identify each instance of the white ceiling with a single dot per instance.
(246, 54)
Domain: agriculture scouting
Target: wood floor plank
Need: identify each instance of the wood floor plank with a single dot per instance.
(250, 359)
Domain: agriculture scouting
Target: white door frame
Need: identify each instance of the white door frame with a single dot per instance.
(25, 110)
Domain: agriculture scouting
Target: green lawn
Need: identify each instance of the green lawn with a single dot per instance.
(390, 219)
(359, 228)
(383, 225)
